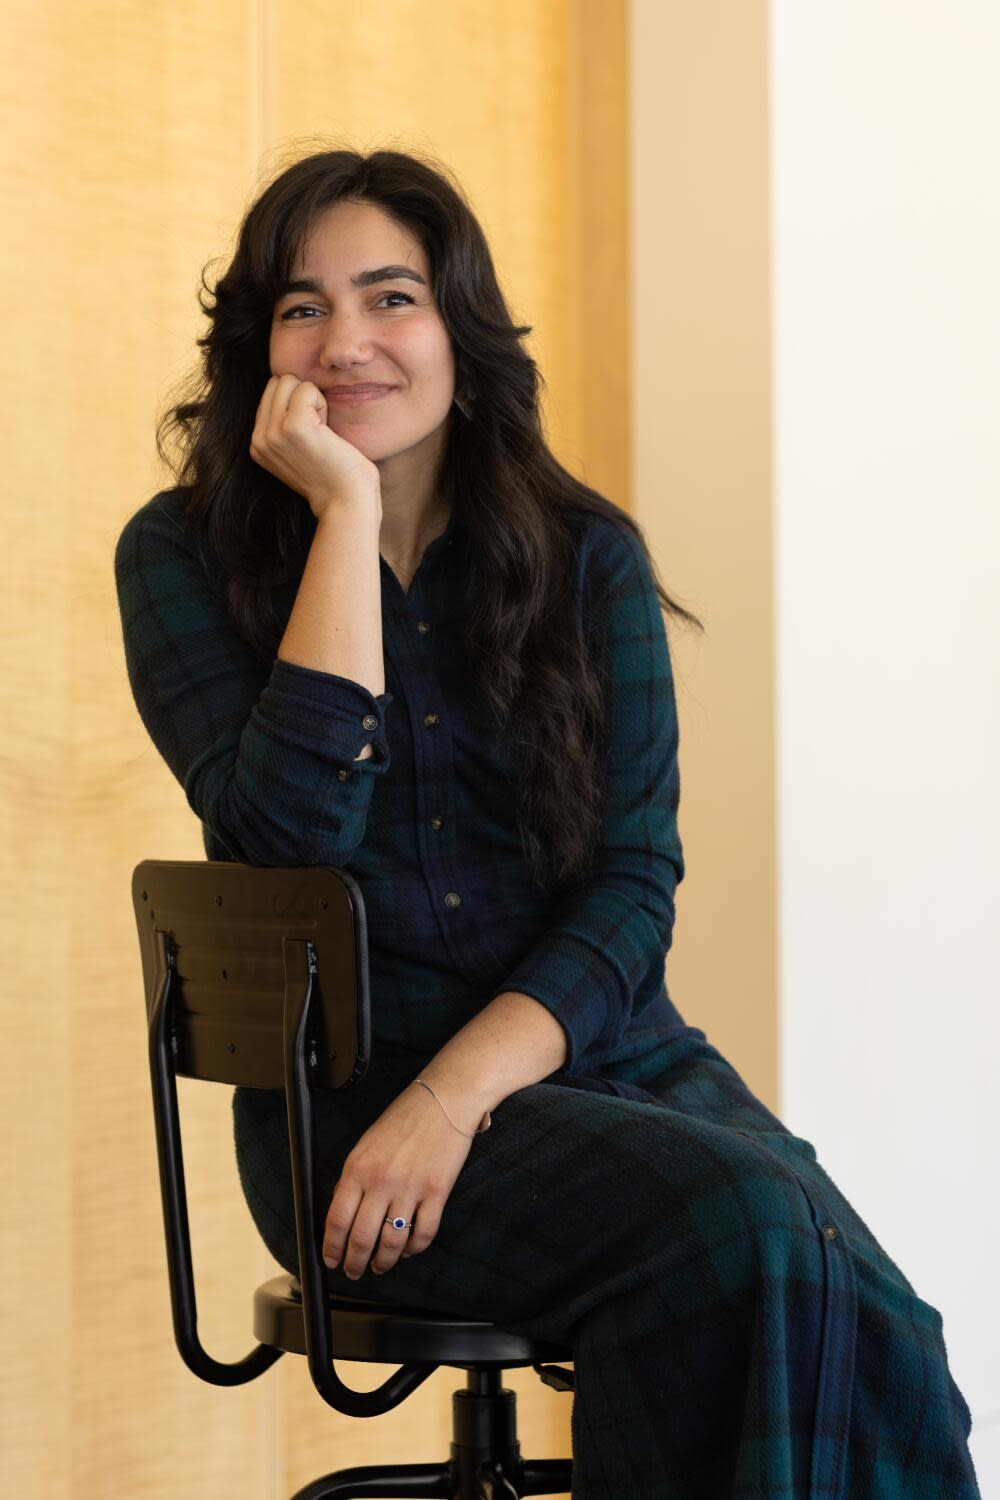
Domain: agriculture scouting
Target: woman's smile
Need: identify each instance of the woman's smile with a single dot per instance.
(358, 393)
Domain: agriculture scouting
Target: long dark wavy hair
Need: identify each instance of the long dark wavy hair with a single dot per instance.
(521, 508)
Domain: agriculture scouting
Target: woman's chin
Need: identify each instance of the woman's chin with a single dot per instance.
(366, 439)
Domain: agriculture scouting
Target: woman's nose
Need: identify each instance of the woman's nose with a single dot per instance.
(344, 337)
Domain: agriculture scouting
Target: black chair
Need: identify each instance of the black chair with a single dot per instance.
(259, 977)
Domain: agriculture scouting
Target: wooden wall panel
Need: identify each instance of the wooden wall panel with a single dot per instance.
(136, 135)
(703, 488)
(128, 131)
(35, 1298)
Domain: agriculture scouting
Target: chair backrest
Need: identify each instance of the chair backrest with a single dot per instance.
(229, 925)
(256, 976)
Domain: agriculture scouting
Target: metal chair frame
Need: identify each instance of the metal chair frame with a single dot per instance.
(258, 976)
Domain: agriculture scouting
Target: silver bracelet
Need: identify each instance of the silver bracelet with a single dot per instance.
(484, 1123)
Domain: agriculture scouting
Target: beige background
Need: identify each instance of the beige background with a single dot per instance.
(137, 134)
(701, 487)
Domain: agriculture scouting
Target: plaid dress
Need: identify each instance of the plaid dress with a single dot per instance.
(737, 1330)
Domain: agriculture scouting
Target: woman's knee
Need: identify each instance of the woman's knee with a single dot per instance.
(719, 1194)
(780, 1214)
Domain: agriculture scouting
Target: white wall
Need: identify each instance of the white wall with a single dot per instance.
(886, 302)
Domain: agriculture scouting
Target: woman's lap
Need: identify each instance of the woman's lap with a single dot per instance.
(578, 1184)
(664, 1189)
(591, 1172)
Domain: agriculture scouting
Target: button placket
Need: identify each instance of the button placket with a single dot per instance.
(435, 760)
(452, 899)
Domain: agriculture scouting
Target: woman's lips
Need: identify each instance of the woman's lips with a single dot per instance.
(358, 393)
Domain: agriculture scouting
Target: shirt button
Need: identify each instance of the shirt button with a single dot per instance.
(430, 720)
(830, 1231)
(343, 775)
(423, 627)
(437, 822)
(369, 722)
(453, 899)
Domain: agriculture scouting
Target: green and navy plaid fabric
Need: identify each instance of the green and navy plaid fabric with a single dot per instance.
(738, 1332)
(266, 754)
(737, 1329)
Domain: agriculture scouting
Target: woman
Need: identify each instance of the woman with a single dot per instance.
(377, 626)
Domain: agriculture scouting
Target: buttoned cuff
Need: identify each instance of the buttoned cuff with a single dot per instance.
(325, 713)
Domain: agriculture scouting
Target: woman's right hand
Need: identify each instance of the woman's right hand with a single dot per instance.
(292, 440)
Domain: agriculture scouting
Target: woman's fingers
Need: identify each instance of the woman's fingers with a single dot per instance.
(274, 403)
(339, 1219)
(369, 1222)
(402, 1243)
(263, 419)
(425, 1224)
(392, 1241)
(293, 440)
(356, 1228)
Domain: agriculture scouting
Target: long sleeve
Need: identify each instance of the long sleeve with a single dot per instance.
(600, 962)
(267, 757)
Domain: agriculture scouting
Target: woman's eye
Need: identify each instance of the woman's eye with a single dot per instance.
(303, 307)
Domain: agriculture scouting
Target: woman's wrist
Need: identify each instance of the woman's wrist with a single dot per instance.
(455, 1094)
(363, 499)
(512, 1042)
(483, 1123)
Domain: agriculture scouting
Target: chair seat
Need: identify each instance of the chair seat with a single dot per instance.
(377, 1333)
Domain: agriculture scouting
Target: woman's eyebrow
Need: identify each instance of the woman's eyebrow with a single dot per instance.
(363, 278)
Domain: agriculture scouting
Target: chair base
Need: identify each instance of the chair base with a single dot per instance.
(485, 1461)
(545, 1477)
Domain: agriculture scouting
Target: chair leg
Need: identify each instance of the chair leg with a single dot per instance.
(547, 1476)
(389, 1481)
(543, 1476)
(485, 1462)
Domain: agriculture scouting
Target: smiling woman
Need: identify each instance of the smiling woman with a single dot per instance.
(507, 806)
(342, 323)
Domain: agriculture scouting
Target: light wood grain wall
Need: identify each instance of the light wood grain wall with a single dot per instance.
(136, 135)
(702, 487)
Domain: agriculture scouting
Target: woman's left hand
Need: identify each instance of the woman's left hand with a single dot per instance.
(405, 1164)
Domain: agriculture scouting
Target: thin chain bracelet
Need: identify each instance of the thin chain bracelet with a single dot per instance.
(484, 1123)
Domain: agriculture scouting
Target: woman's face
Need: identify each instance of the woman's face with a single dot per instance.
(345, 330)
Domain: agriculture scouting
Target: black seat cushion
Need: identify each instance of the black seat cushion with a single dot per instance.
(378, 1332)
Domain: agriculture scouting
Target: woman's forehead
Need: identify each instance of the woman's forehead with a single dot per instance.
(351, 228)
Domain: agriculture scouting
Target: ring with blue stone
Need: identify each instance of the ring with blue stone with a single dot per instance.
(398, 1223)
